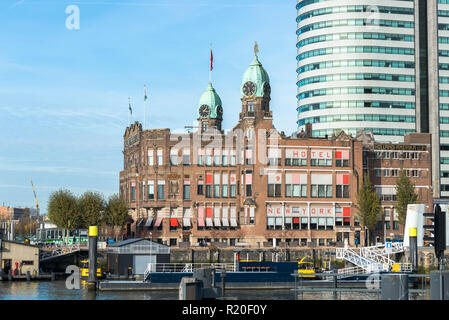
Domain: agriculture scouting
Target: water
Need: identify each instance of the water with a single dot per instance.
(56, 290)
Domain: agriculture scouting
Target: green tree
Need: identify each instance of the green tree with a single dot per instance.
(92, 206)
(405, 195)
(63, 210)
(26, 226)
(116, 213)
(368, 206)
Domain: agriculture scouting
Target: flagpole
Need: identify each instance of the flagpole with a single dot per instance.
(144, 107)
(211, 61)
(129, 106)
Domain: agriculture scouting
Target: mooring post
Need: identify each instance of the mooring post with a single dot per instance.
(223, 276)
(413, 248)
(92, 278)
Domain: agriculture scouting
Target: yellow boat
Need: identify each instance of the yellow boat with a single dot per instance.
(85, 269)
(306, 269)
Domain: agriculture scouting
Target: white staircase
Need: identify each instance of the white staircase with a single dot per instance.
(371, 259)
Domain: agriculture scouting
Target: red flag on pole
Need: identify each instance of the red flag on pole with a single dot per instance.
(211, 60)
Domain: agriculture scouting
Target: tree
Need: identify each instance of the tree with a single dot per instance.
(116, 213)
(27, 225)
(368, 206)
(63, 210)
(405, 195)
(92, 206)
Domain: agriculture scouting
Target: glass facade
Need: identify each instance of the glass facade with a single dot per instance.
(443, 83)
(353, 56)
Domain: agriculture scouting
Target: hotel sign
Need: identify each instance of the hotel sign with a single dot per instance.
(132, 140)
(321, 212)
(296, 153)
(400, 147)
(321, 154)
(297, 211)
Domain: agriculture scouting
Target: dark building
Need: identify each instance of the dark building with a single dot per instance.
(135, 255)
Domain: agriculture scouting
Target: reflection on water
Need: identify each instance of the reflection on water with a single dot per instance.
(56, 290)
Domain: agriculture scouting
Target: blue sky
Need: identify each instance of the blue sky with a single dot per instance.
(64, 93)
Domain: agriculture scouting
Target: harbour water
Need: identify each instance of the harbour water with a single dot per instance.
(56, 290)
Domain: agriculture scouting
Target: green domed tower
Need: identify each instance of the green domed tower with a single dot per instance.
(210, 109)
(255, 90)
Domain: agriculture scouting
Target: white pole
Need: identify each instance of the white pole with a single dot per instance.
(211, 64)
(144, 107)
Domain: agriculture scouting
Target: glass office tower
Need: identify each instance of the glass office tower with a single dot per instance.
(356, 67)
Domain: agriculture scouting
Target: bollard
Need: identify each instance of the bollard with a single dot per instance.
(92, 278)
(28, 275)
(335, 282)
(10, 275)
(413, 248)
(223, 276)
(53, 276)
(394, 287)
(190, 289)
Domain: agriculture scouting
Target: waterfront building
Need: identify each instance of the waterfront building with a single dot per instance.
(132, 256)
(250, 186)
(383, 162)
(19, 258)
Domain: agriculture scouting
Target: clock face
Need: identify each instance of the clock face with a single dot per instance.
(204, 110)
(249, 88)
(219, 111)
(266, 89)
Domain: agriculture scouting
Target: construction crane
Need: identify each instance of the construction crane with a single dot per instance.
(35, 198)
(42, 232)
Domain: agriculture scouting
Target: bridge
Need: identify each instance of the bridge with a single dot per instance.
(55, 251)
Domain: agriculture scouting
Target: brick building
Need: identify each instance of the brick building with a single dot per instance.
(7, 213)
(384, 161)
(249, 186)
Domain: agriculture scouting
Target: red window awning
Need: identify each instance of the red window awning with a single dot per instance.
(158, 222)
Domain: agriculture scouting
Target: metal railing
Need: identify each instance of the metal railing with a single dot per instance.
(419, 285)
(188, 267)
(184, 267)
(374, 258)
(59, 250)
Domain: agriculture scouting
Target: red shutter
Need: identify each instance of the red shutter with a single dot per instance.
(173, 222)
(208, 212)
(208, 179)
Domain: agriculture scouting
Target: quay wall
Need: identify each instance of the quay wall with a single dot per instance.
(427, 258)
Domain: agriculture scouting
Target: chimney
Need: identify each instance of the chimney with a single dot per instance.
(308, 130)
